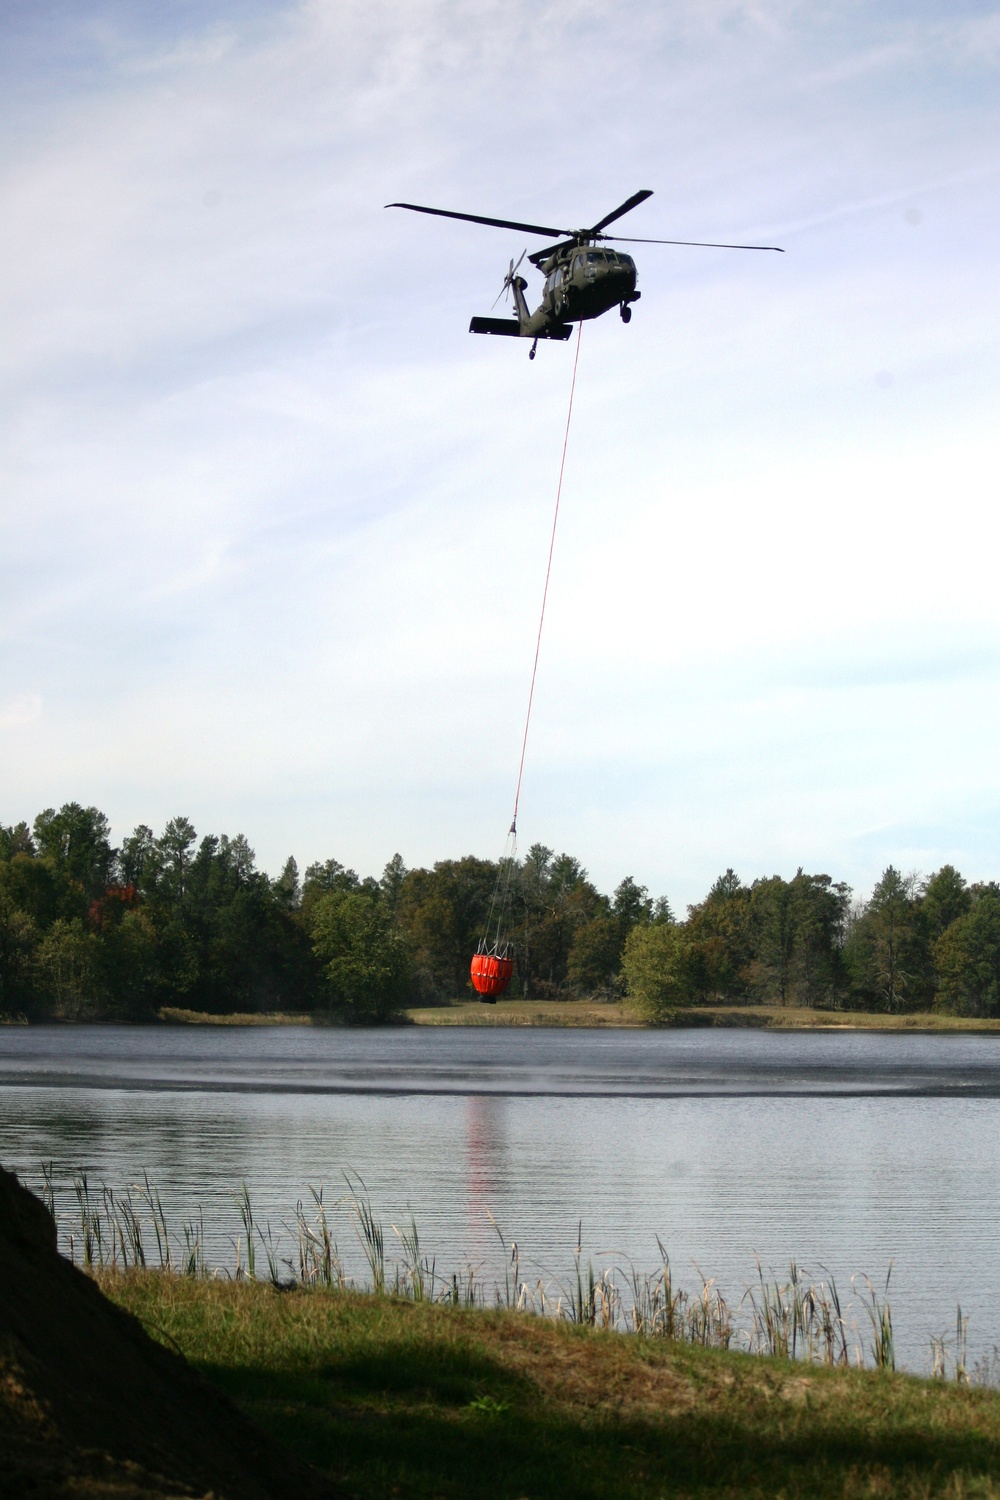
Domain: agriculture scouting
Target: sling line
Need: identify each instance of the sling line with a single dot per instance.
(548, 575)
(494, 941)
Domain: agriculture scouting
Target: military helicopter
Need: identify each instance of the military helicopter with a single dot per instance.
(582, 280)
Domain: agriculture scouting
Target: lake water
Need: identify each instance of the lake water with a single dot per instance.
(844, 1151)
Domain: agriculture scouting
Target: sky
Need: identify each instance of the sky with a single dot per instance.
(273, 526)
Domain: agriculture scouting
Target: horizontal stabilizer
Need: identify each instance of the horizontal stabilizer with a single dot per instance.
(509, 327)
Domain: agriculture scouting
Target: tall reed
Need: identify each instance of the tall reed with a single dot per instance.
(151, 1197)
(800, 1317)
(193, 1260)
(368, 1230)
(879, 1313)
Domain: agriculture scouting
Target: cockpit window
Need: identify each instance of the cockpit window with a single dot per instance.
(593, 256)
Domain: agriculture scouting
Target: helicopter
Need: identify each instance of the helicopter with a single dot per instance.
(582, 278)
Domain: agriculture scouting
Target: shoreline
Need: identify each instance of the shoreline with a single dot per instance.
(594, 1016)
(570, 1013)
(573, 1014)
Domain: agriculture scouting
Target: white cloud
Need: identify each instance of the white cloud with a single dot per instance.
(15, 712)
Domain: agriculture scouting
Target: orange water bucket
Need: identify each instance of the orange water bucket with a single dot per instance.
(491, 975)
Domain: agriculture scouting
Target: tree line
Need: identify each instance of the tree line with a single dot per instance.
(93, 932)
(915, 944)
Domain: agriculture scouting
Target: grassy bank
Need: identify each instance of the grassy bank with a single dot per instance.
(757, 1017)
(594, 1014)
(458, 1013)
(796, 1018)
(521, 1013)
(176, 1016)
(404, 1398)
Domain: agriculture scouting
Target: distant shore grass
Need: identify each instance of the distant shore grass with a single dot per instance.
(796, 1018)
(756, 1017)
(588, 1013)
(522, 1013)
(393, 1397)
(176, 1016)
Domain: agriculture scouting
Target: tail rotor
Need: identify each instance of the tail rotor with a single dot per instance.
(508, 280)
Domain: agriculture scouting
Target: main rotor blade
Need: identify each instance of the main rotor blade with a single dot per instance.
(624, 208)
(446, 213)
(621, 239)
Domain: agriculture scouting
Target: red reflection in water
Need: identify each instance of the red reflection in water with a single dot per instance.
(482, 1145)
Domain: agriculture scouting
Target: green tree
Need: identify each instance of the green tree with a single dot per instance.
(657, 965)
(718, 934)
(174, 847)
(251, 952)
(178, 960)
(76, 840)
(139, 860)
(796, 936)
(967, 958)
(88, 932)
(773, 922)
(594, 963)
(944, 897)
(884, 949)
(18, 944)
(442, 914)
(894, 938)
(554, 899)
(126, 964)
(321, 878)
(35, 886)
(392, 882)
(662, 910)
(364, 956)
(631, 905)
(16, 840)
(68, 968)
(287, 887)
(239, 857)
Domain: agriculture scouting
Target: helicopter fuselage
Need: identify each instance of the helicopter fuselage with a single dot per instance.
(584, 282)
(581, 281)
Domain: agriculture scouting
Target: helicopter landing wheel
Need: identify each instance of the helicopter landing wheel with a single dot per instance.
(533, 350)
(626, 313)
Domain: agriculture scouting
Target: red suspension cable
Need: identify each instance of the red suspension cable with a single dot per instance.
(548, 574)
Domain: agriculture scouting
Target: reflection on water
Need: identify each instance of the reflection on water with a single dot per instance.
(842, 1151)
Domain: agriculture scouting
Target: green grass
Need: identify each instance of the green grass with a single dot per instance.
(522, 1013)
(799, 1018)
(400, 1398)
(177, 1016)
(465, 1012)
(766, 1017)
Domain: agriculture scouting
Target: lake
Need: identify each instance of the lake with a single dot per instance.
(844, 1151)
